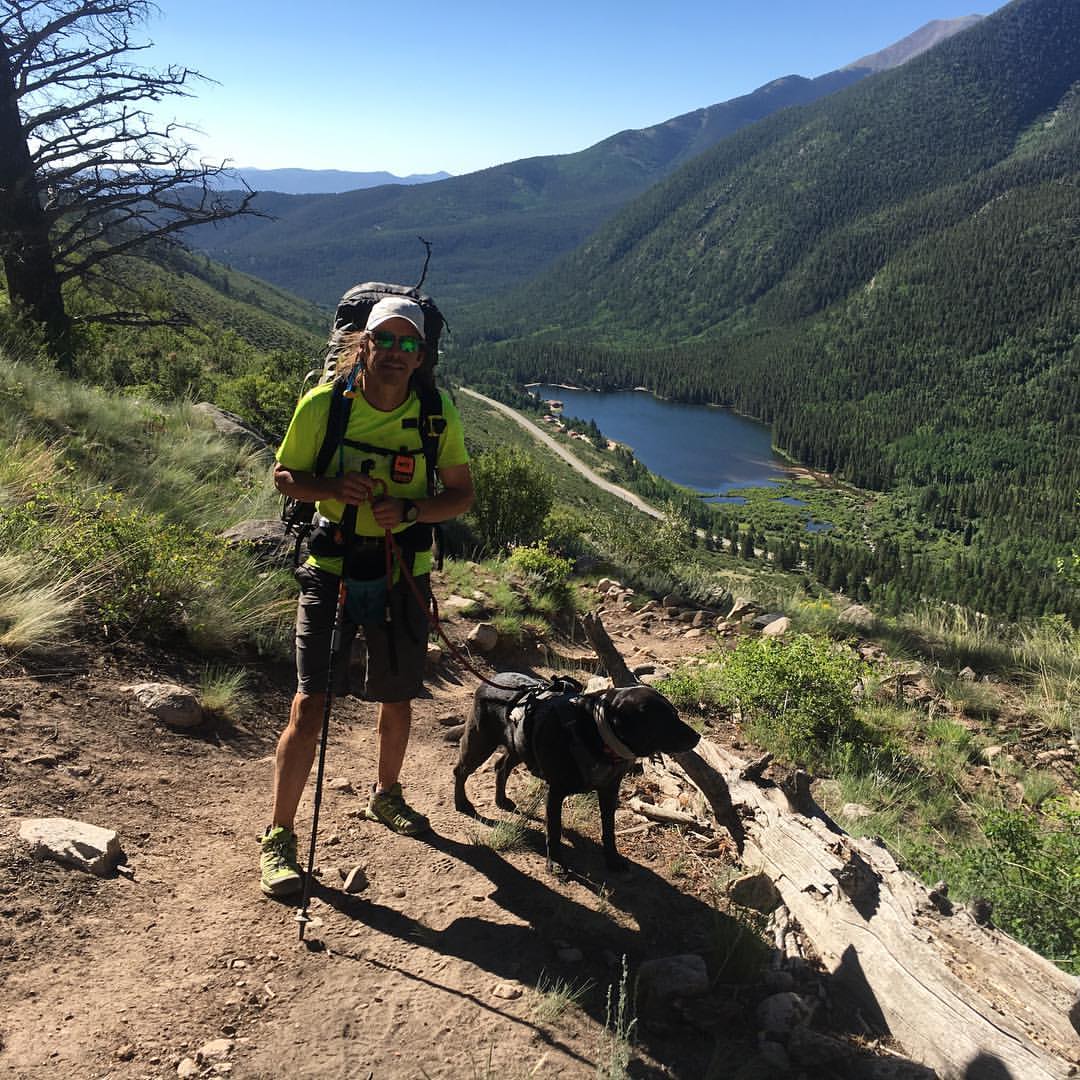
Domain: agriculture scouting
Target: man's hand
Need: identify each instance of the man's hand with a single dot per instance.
(353, 488)
(388, 512)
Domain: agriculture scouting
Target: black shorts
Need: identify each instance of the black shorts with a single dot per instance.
(395, 657)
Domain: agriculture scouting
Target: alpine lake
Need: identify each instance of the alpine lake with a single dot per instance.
(725, 457)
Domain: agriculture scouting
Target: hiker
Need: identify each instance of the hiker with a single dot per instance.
(379, 476)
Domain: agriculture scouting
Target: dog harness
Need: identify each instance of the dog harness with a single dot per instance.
(594, 770)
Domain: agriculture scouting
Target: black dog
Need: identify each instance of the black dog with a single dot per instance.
(574, 741)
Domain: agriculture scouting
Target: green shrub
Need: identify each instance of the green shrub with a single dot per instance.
(513, 497)
(796, 695)
(1029, 867)
(539, 564)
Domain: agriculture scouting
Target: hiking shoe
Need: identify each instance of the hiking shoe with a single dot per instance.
(395, 813)
(280, 869)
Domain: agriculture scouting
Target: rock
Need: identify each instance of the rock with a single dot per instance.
(434, 655)
(695, 633)
(854, 811)
(988, 753)
(673, 600)
(453, 734)
(782, 1013)
(967, 674)
(777, 627)
(233, 426)
(597, 683)
(507, 991)
(862, 618)
(759, 622)
(656, 677)
(454, 604)
(775, 1057)
(187, 1068)
(214, 1050)
(75, 843)
(702, 618)
(814, 1050)
(754, 891)
(265, 537)
(451, 720)
(484, 637)
(172, 705)
(1048, 757)
(126, 1052)
(778, 980)
(742, 606)
(341, 785)
(356, 881)
(660, 981)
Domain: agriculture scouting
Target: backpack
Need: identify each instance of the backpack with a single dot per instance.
(352, 314)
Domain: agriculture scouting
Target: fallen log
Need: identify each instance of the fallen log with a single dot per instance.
(961, 997)
(965, 999)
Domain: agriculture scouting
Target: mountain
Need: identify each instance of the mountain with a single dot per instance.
(324, 181)
(890, 276)
(926, 37)
(490, 229)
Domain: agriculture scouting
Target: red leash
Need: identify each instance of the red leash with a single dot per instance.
(431, 606)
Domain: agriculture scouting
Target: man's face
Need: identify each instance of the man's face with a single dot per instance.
(392, 366)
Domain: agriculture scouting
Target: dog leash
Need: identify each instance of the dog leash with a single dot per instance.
(430, 606)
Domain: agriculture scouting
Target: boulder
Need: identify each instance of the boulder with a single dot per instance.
(759, 622)
(967, 674)
(862, 618)
(662, 980)
(597, 683)
(265, 537)
(742, 606)
(454, 605)
(74, 843)
(854, 811)
(754, 891)
(702, 618)
(434, 654)
(232, 426)
(173, 705)
(777, 627)
(483, 636)
(781, 1014)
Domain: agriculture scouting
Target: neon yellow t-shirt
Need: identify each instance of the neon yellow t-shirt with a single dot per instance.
(395, 431)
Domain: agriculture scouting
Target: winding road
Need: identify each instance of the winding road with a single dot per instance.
(571, 459)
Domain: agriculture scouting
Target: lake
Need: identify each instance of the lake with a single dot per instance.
(711, 450)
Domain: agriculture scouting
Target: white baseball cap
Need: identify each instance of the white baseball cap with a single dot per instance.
(396, 307)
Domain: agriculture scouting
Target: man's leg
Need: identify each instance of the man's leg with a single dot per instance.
(392, 739)
(295, 755)
(387, 803)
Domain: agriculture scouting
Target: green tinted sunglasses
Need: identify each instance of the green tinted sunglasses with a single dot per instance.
(407, 343)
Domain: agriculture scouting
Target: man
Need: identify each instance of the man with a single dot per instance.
(381, 472)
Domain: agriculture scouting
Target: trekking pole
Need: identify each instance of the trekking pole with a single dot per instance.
(339, 617)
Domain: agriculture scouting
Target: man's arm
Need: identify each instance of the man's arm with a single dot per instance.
(352, 487)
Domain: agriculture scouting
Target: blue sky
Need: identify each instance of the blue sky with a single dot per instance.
(465, 84)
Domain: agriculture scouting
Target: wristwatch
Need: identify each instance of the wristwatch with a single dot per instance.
(409, 511)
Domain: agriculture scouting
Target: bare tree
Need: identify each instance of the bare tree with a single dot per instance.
(86, 171)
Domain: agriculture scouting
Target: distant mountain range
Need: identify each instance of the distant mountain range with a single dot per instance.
(324, 181)
(498, 227)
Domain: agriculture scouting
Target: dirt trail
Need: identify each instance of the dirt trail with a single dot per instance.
(432, 971)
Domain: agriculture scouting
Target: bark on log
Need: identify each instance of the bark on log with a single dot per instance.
(962, 998)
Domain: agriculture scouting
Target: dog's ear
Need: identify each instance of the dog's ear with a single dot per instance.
(647, 722)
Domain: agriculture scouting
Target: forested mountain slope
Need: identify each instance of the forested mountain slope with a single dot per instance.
(890, 276)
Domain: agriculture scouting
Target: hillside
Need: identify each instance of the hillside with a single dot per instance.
(497, 227)
(888, 276)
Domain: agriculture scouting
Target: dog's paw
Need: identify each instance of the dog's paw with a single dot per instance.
(507, 804)
(463, 806)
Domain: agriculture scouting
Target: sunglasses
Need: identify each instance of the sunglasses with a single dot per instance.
(407, 343)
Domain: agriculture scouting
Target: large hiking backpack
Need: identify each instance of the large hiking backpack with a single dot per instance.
(352, 314)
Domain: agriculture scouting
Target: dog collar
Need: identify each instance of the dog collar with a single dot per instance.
(611, 740)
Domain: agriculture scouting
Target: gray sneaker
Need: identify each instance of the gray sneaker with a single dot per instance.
(280, 870)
